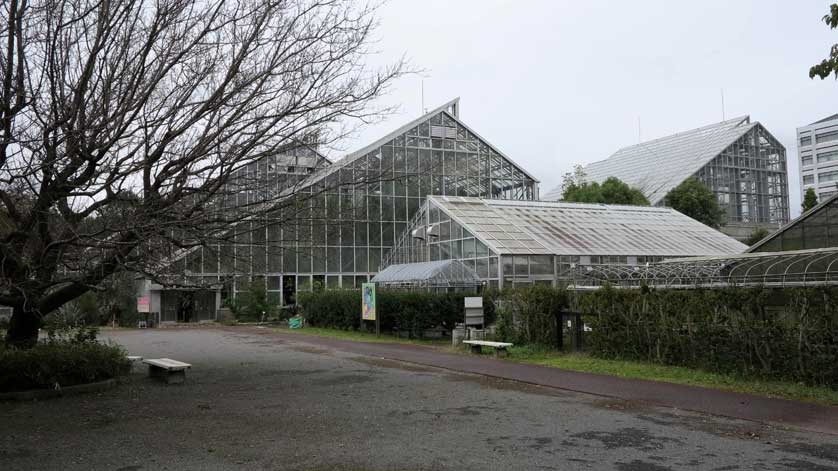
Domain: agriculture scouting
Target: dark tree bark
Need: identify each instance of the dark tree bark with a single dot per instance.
(23, 328)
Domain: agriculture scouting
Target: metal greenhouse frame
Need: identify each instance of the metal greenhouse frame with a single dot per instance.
(438, 275)
(812, 267)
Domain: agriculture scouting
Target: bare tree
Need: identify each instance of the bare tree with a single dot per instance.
(123, 124)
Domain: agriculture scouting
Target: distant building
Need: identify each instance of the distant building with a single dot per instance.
(818, 153)
(737, 159)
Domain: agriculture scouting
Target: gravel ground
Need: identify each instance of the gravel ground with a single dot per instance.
(254, 401)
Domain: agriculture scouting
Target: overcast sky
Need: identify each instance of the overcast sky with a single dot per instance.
(554, 83)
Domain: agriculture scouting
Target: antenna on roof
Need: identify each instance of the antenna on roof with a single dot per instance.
(424, 110)
(639, 140)
(722, 90)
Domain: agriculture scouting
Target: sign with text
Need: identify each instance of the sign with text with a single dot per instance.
(143, 304)
(368, 301)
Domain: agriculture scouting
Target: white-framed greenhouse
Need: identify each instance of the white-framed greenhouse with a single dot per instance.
(514, 243)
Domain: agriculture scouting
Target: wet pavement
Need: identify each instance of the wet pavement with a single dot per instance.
(780, 412)
(258, 400)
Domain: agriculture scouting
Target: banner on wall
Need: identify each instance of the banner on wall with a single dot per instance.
(368, 301)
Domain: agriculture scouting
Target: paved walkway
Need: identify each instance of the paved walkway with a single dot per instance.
(799, 415)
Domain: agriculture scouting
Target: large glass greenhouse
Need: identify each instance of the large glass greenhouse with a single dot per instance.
(739, 160)
(360, 205)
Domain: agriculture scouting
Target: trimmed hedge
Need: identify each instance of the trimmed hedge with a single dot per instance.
(62, 362)
(410, 311)
(528, 315)
(784, 334)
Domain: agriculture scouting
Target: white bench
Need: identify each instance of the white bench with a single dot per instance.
(477, 346)
(170, 371)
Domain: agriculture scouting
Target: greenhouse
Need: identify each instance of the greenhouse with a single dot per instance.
(817, 228)
(804, 252)
(739, 160)
(518, 243)
(448, 275)
(351, 211)
(766, 269)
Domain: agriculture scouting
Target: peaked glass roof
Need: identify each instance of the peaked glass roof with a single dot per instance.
(451, 110)
(530, 227)
(656, 167)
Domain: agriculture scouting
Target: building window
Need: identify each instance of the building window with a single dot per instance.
(808, 179)
(825, 195)
(826, 137)
(806, 141)
(827, 156)
(807, 160)
(828, 177)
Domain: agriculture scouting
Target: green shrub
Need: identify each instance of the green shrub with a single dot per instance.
(783, 334)
(62, 363)
(253, 304)
(529, 315)
(406, 311)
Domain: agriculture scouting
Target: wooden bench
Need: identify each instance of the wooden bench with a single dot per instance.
(170, 371)
(477, 346)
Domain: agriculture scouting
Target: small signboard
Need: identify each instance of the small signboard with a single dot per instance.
(143, 304)
(368, 301)
(474, 311)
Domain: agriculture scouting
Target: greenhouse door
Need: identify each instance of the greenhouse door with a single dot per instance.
(289, 290)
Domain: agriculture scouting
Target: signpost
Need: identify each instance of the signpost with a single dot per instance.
(368, 312)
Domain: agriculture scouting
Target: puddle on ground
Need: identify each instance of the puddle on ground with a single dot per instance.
(308, 349)
(507, 385)
(385, 363)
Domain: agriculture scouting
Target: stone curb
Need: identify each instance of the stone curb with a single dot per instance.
(40, 394)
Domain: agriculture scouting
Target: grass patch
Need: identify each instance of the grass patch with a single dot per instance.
(673, 374)
(360, 336)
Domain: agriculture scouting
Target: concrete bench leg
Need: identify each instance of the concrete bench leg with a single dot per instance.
(476, 349)
(170, 377)
(156, 372)
(176, 377)
(501, 352)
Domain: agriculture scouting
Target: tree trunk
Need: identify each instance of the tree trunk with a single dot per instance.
(23, 329)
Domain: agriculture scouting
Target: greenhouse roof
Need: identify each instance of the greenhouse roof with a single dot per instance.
(811, 213)
(790, 268)
(441, 273)
(656, 167)
(537, 227)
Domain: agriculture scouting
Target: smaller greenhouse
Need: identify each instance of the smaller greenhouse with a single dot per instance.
(447, 275)
(518, 243)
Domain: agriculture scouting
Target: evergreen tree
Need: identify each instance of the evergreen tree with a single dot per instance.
(695, 200)
(612, 191)
(810, 199)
